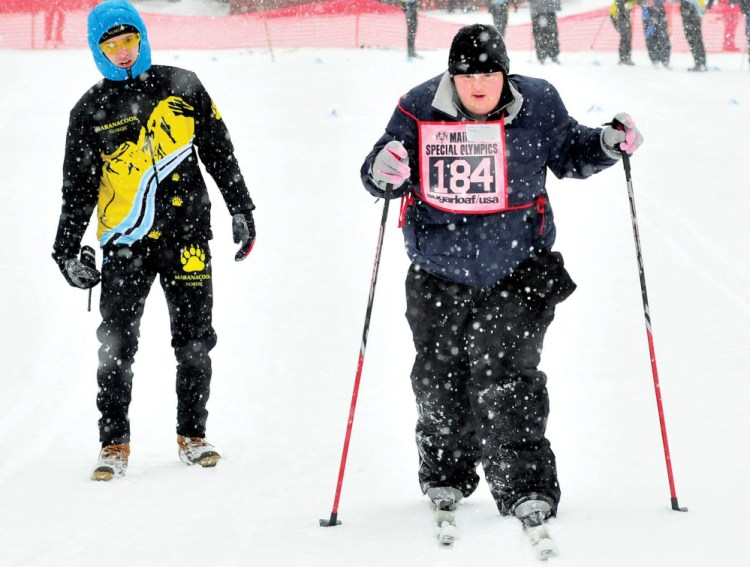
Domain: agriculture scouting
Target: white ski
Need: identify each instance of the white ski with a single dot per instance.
(444, 500)
(445, 521)
(541, 542)
(532, 513)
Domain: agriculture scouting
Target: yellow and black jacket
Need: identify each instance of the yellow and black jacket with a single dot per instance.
(621, 8)
(132, 153)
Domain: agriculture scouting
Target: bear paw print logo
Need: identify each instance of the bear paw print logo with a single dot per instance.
(193, 259)
(176, 201)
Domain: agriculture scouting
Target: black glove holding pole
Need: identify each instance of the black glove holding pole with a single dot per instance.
(81, 273)
(243, 232)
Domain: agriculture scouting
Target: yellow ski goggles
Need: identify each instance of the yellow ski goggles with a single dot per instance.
(128, 42)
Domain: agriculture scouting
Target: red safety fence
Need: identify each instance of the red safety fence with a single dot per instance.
(337, 23)
(16, 6)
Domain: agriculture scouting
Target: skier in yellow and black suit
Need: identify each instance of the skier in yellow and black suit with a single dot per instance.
(619, 13)
(132, 153)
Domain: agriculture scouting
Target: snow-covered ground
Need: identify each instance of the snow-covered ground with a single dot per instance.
(290, 318)
(186, 7)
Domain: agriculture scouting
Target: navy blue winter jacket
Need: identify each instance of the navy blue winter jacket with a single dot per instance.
(480, 250)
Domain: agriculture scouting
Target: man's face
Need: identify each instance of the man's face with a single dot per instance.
(122, 50)
(479, 93)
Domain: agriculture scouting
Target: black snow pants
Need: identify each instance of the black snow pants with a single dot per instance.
(128, 272)
(655, 29)
(691, 24)
(411, 28)
(546, 37)
(480, 397)
(623, 26)
(500, 16)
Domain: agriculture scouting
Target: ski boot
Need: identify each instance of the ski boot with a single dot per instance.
(112, 462)
(196, 451)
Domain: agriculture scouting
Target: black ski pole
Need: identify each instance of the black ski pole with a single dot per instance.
(334, 521)
(88, 258)
(649, 334)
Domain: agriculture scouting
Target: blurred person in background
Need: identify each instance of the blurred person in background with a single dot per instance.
(544, 29)
(54, 22)
(656, 31)
(410, 8)
(499, 11)
(692, 12)
(451, 6)
(745, 8)
(730, 10)
(620, 13)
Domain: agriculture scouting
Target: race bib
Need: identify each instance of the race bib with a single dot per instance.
(463, 167)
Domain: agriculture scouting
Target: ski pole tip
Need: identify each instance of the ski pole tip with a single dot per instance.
(330, 523)
(676, 506)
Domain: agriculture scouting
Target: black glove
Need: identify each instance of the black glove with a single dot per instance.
(79, 275)
(243, 231)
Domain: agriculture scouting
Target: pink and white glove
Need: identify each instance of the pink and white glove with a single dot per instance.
(621, 134)
(391, 166)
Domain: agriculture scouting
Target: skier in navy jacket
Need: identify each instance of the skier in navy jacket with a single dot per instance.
(469, 151)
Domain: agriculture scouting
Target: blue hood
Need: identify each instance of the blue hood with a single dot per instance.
(104, 17)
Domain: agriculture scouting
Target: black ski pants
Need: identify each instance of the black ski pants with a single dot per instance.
(184, 271)
(411, 27)
(546, 36)
(480, 397)
(655, 29)
(624, 28)
(691, 24)
(500, 16)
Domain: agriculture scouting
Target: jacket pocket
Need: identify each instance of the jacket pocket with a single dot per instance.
(543, 279)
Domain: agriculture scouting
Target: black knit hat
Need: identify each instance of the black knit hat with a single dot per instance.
(478, 48)
(119, 29)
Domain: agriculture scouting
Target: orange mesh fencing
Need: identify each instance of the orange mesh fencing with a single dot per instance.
(359, 25)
